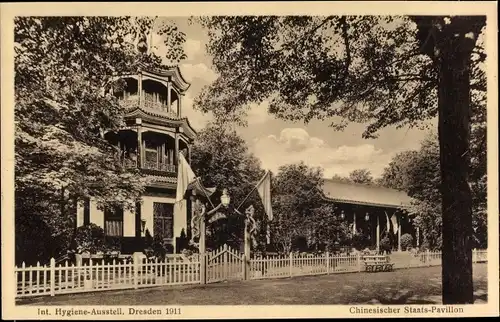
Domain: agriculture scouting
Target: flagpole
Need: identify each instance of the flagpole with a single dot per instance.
(198, 181)
(254, 188)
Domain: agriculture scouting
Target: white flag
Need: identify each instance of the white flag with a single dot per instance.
(388, 225)
(264, 190)
(185, 176)
(395, 226)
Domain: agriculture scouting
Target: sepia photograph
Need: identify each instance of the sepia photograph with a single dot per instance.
(156, 163)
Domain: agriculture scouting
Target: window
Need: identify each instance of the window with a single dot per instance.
(163, 214)
(151, 155)
(113, 222)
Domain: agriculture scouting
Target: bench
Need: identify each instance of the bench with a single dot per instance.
(377, 263)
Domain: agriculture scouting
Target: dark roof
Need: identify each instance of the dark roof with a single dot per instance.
(172, 71)
(363, 194)
(162, 117)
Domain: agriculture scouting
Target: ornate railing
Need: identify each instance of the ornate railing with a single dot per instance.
(167, 167)
(148, 104)
(129, 163)
(152, 165)
(154, 105)
(130, 103)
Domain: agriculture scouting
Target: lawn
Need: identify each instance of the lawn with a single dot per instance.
(415, 285)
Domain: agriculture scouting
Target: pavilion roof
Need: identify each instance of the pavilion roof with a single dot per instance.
(363, 194)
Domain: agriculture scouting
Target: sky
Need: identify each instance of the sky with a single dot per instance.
(276, 142)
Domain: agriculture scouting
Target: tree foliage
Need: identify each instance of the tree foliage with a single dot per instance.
(221, 158)
(340, 178)
(89, 239)
(61, 114)
(361, 176)
(417, 172)
(380, 70)
(406, 242)
(300, 211)
(296, 194)
(361, 68)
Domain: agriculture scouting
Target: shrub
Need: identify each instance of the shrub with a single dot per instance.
(299, 243)
(385, 245)
(169, 249)
(187, 252)
(182, 241)
(89, 239)
(333, 247)
(158, 247)
(359, 241)
(112, 249)
(148, 245)
(148, 240)
(439, 243)
(406, 242)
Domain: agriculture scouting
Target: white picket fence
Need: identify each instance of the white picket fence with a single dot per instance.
(223, 264)
(63, 279)
(300, 265)
(309, 264)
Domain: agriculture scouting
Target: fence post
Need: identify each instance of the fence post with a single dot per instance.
(226, 262)
(358, 258)
(245, 272)
(427, 255)
(327, 262)
(291, 264)
(203, 268)
(52, 277)
(137, 266)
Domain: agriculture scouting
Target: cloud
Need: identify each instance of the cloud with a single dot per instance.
(192, 48)
(258, 113)
(197, 119)
(198, 72)
(295, 144)
(157, 41)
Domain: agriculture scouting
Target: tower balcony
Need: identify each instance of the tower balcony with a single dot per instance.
(149, 104)
(152, 151)
(151, 167)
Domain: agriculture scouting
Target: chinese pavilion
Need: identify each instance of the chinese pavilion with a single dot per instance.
(153, 135)
(367, 208)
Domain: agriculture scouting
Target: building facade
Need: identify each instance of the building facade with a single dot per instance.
(373, 211)
(154, 134)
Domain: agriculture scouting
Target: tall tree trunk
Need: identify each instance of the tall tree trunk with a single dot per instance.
(454, 54)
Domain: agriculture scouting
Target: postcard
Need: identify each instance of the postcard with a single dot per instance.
(249, 160)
